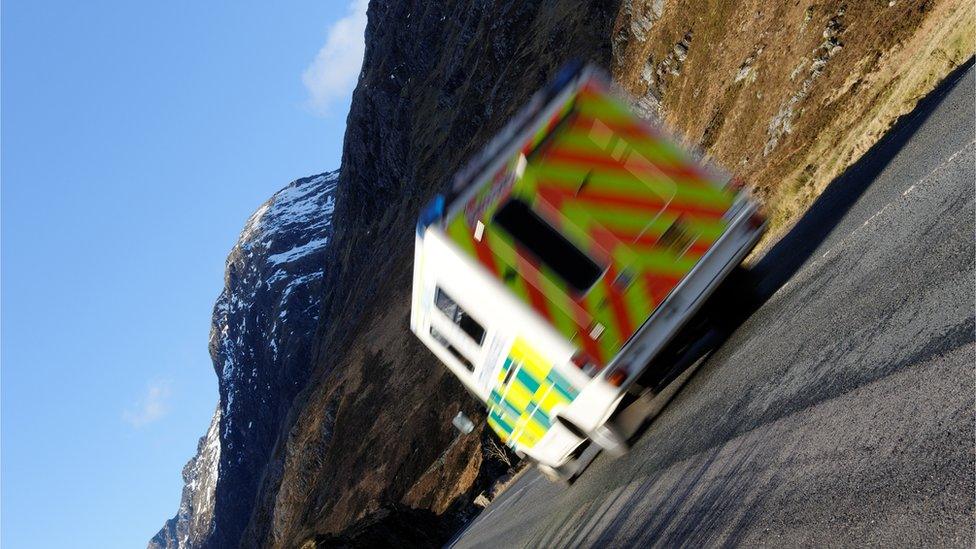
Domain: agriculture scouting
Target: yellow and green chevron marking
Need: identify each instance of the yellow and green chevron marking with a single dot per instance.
(631, 199)
(527, 392)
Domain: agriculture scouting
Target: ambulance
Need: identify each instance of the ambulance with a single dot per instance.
(564, 257)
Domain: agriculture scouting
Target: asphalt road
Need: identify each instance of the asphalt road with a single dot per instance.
(841, 412)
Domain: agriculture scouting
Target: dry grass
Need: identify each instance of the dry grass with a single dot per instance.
(908, 72)
(506, 482)
(788, 95)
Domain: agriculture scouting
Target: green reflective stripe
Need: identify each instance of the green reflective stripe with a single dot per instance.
(563, 323)
(527, 381)
(636, 301)
(559, 383)
(633, 222)
(579, 139)
(506, 260)
(570, 176)
(566, 393)
(541, 417)
(593, 106)
(710, 230)
(630, 222)
(459, 233)
(507, 408)
(598, 300)
(501, 245)
(500, 421)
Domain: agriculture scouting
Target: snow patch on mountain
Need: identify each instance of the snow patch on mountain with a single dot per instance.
(299, 251)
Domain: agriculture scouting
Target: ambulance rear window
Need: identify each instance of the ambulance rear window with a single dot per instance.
(548, 245)
(459, 316)
(450, 348)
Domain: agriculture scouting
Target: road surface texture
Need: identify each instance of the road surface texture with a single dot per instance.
(841, 412)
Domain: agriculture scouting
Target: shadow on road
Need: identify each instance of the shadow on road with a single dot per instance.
(786, 257)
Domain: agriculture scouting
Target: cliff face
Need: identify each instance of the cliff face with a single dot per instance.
(264, 323)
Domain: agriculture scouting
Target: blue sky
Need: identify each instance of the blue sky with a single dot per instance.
(137, 137)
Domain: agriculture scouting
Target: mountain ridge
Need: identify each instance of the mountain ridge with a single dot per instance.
(262, 322)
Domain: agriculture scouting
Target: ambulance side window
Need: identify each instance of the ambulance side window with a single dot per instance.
(459, 316)
(548, 245)
(450, 348)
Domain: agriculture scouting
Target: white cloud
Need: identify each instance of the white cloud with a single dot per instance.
(335, 70)
(151, 407)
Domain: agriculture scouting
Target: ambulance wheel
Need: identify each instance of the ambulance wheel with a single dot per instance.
(610, 439)
(735, 299)
(558, 475)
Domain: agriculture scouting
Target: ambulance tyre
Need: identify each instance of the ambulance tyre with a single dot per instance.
(734, 300)
(557, 475)
(610, 439)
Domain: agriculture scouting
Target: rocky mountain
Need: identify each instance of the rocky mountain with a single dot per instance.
(333, 421)
(263, 324)
(194, 521)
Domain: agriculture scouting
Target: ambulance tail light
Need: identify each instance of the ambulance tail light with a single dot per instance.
(617, 377)
(737, 185)
(585, 362)
(757, 219)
